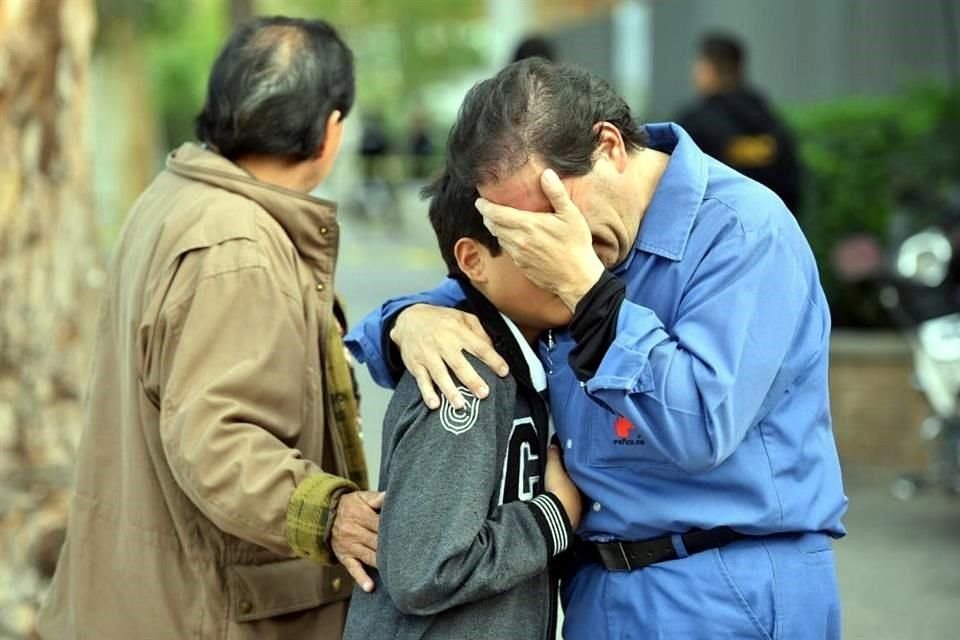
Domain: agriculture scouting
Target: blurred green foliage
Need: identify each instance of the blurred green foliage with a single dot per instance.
(400, 48)
(176, 40)
(872, 166)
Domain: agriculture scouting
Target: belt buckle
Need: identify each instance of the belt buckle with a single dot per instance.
(613, 556)
(623, 554)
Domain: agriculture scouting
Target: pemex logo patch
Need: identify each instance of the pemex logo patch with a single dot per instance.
(626, 433)
(459, 421)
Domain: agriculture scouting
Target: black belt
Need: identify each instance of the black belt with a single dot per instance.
(627, 556)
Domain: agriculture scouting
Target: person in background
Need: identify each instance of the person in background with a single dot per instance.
(735, 124)
(377, 193)
(374, 145)
(479, 505)
(220, 473)
(534, 46)
(420, 145)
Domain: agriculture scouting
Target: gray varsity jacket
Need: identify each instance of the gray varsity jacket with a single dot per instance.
(466, 532)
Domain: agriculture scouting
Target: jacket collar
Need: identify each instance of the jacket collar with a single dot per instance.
(538, 375)
(503, 338)
(666, 225)
(311, 223)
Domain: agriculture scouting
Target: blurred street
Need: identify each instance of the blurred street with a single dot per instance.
(900, 564)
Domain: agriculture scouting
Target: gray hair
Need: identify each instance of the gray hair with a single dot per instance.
(273, 87)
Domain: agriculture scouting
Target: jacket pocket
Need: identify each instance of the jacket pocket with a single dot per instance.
(748, 573)
(264, 591)
(616, 442)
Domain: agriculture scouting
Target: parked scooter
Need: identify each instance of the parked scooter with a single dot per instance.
(919, 285)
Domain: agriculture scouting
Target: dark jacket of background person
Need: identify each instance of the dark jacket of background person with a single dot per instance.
(466, 532)
(739, 128)
(210, 403)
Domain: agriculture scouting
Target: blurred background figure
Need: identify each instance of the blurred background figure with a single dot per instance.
(420, 145)
(534, 46)
(376, 195)
(374, 144)
(734, 123)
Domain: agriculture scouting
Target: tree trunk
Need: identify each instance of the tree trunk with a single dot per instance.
(49, 270)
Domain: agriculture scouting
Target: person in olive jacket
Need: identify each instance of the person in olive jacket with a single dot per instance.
(220, 475)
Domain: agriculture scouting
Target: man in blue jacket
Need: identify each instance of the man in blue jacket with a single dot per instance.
(690, 391)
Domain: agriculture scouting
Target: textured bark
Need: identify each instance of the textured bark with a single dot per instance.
(49, 271)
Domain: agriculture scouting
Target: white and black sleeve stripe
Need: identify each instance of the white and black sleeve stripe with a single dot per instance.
(550, 515)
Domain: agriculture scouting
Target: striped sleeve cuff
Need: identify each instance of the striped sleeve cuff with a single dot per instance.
(550, 515)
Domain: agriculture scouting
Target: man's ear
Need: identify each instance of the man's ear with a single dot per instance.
(611, 145)
(332, 135)
(472, 259)
(327, 151)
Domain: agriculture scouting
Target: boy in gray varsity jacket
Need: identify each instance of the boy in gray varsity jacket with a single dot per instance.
(477, 500)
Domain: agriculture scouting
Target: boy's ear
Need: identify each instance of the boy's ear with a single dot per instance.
(472, 259)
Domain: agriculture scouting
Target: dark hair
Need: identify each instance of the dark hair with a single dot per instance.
(726, 53)
(534, 47)
(273, 87)
(454, 215)
(535, 108)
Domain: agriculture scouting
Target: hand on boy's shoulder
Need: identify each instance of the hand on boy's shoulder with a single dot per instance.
(434, 343)
(459, 420)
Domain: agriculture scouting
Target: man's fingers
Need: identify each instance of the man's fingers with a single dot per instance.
(425, 384)
(366, 518)
(441, 377)
(353, 514)
(500, 216)
(489, 356)
(490, 225)
(467, 375)
(555, 191)
(367, 556)
(374, 499)
(364, 540)
(473, 323)
(358, 573)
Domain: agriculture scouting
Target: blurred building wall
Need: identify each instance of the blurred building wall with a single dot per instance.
(801, 51)
(805, 50)
(877, 411)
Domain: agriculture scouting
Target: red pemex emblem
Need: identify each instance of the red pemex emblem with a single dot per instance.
(623, 427)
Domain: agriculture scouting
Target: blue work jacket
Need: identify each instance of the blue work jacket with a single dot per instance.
(711, 406)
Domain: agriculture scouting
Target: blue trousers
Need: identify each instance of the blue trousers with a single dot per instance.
(770, 589)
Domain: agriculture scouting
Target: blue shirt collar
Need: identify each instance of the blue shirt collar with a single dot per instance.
(666, 225)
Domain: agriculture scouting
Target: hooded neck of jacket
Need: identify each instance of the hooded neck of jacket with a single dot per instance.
(311, 223)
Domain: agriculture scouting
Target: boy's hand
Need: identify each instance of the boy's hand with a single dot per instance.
(431, 339)
(559, 484)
